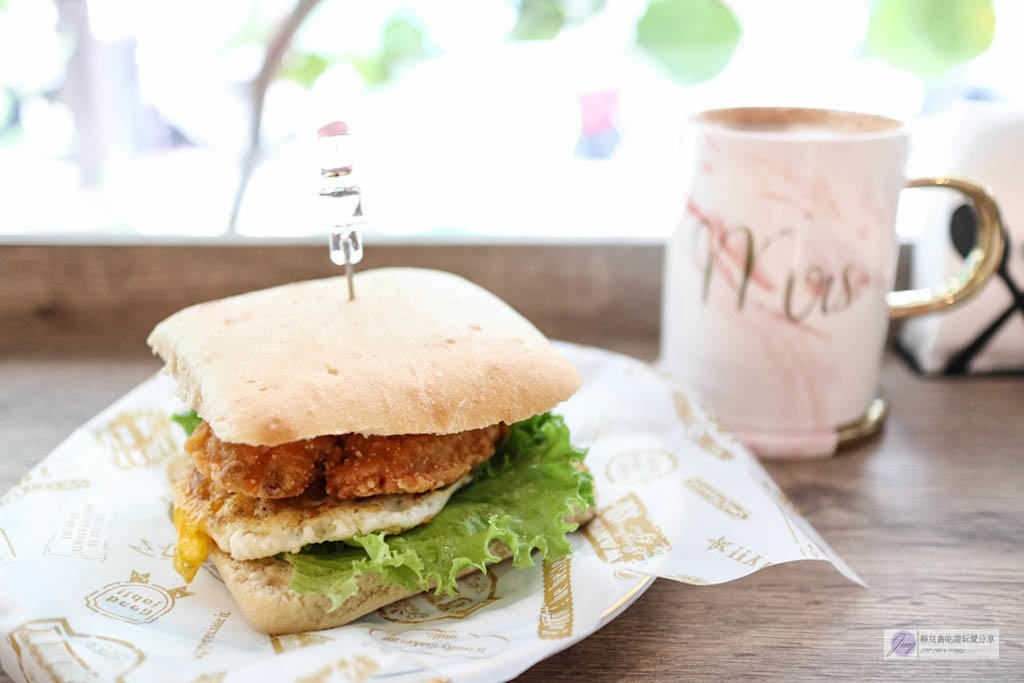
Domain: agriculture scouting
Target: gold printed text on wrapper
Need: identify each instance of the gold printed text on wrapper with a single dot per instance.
(138, 438)
(82, 530)
(164, 551)
(810, 550)
(443, 642)
(623, 574)
(50, 650)
(7, 553)
(475, 591)
(135, 601)
(737, 553)
(296, 641)
(640, 465)
(556, 612)
(689, 578)
(717, 498)
(625, 532)
(42, 479)
(205, 646)
(217, 677)
(348, 669)
(712, 417)
(697, 430)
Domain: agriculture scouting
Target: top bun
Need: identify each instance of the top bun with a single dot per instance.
(417, 352)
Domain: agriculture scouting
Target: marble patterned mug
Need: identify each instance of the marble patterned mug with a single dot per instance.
(778, 279)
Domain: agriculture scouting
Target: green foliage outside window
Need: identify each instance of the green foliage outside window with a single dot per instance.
(692, 39)
(930, 37)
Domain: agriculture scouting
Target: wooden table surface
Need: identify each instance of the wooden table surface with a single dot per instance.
(931, 514)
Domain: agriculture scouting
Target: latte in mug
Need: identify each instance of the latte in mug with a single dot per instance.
(777, 282)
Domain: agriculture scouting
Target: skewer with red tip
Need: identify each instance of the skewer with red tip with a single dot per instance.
(337, 183)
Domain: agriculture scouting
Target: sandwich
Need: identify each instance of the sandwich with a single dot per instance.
(343, 455)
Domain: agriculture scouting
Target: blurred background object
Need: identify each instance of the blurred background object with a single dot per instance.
(123, 120)
(983, 140)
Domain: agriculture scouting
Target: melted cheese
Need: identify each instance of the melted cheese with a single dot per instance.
(193, 545)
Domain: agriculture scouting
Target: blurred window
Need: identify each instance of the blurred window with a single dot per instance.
(562, 118)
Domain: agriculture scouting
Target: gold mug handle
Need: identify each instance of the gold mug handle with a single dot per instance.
(980, 263)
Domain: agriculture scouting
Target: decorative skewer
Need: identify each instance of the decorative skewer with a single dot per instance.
(336, 182)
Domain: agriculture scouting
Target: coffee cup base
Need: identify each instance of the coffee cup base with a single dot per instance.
(802, 445)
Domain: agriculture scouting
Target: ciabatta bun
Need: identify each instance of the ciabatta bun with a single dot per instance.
(417, 352)
(260, 587)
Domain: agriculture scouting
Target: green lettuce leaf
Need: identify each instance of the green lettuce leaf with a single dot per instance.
(188, 421)
(521, 496)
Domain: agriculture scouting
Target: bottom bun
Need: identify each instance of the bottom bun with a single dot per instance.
(261, 589)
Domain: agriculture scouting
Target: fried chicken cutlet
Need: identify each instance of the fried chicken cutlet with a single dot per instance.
(352, 465)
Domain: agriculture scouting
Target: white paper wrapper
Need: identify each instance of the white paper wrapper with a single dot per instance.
(89, 591)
